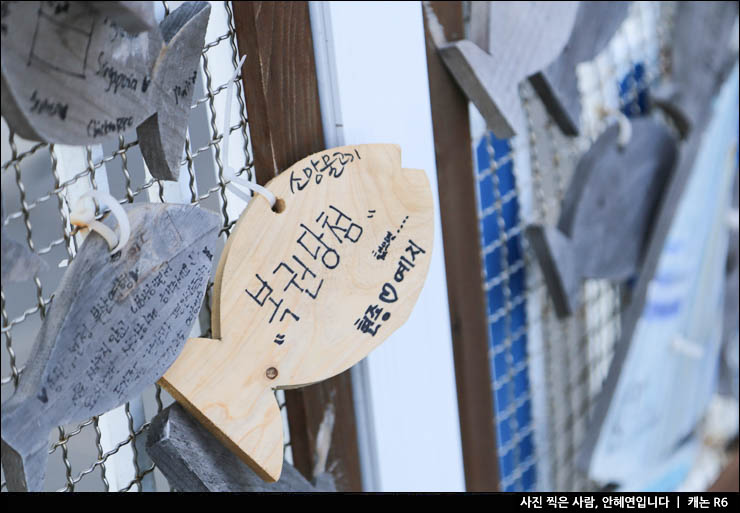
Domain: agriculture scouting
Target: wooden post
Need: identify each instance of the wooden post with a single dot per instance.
(285, 125)
(467, 301)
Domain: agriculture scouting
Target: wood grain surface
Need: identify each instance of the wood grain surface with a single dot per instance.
(306, 291)
(285, 125)
(457, 193)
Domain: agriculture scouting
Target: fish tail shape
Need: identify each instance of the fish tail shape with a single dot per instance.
(25, 447)
(557, 259)
(246, 419)
(162, 138)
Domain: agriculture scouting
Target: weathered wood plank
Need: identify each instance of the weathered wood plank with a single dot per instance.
(524, 37)
(557, 84)
(607, 212)
(133, 17)
(285, 125)
(457, 193)
(116, 324)
(71, 74)
(193, 460)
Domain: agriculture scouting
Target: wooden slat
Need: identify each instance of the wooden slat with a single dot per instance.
(457, 199)
(285, 126)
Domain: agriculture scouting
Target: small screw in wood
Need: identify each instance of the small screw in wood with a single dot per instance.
(271, 373)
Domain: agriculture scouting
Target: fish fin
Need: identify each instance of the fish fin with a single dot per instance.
(555, 254)
(473, 70)
(162, 135)
(25, 450)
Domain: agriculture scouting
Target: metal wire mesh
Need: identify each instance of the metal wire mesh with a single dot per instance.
(546, 372)
(39, 183)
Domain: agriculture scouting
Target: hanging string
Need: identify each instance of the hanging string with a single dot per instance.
(229, 172)
(83, 215)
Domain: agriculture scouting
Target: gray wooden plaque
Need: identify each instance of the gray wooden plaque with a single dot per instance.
(523, 38)
(133, 17)
(700, 60)
(694, 103)
(607, 211)
(557, 84)
(17, 261)
(115, 325)
(193, 460)
(71, 74)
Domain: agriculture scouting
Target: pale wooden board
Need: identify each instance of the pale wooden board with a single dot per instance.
(193, 460)
(115, 325)
(523, 38)
(607, 212)
(72, 75)
(557, 84)
(225, 382)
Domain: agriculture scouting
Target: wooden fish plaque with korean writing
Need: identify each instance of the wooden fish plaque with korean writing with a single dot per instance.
(306, 289)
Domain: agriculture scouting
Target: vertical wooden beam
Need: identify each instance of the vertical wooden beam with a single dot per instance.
(281, 91)
(457, 198)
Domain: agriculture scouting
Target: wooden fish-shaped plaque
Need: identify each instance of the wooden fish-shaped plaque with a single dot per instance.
(71, 74)
(115, 325)
(523, 38)
(557, 84)
(607, 212)
(305, 291)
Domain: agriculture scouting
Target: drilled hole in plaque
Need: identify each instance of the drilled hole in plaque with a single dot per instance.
(279, 206)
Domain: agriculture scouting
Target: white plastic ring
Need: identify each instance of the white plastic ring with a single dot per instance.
(83, 215)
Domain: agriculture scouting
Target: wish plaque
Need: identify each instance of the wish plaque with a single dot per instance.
(607, 213)
(72, 74)
(115, 325)
(304, 290)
